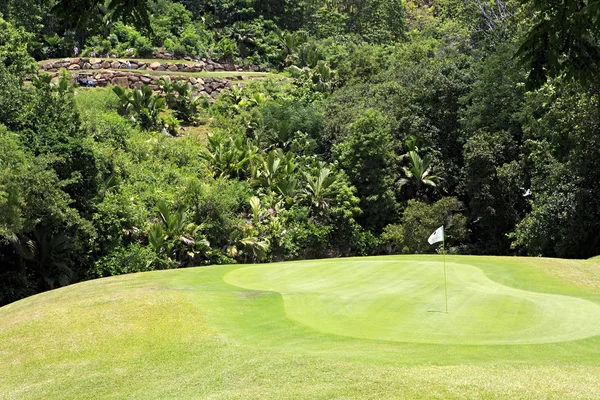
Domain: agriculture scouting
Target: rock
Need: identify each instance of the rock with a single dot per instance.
(200, 81)
(193, 81)
(145, 80)
(216, 85)
(153, 87)
(154, 65)
(160, 68)
(121, 81)
(200, 87)
(87, 65)
(134, 78)
(97, 66)
(74, 67)
(134, 66)
(173, 68)
(210, 68)
(204, 94)
(74, 61)
(214, 94)
(115, 65)
(137, 85)
(229, 67)
(106, 65)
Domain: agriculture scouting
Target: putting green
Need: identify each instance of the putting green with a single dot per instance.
(402, 300)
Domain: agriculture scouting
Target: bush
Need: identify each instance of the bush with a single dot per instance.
(125, 260)
(143, 46)
(420, 220)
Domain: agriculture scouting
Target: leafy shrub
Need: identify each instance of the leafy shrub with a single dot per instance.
(419, 220)
(125, 260)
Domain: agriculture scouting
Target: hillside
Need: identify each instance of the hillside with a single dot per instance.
(346, 328)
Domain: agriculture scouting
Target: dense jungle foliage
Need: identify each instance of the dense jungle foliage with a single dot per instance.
(395, 117)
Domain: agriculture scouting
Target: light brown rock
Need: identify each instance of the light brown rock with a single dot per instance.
(121, 81)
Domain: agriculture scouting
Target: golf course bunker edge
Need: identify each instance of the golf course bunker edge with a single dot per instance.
(402, 300)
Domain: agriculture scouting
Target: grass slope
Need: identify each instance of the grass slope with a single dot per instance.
(346, 328)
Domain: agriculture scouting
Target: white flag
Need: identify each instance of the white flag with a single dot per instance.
(437, 236)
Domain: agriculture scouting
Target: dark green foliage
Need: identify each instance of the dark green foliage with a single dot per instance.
(562, 41)
(367, 155)
(419, 220)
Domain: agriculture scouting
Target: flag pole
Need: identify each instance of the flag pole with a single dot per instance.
(445, 278)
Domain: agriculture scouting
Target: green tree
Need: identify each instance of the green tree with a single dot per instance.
(368, 158)
(419, 220)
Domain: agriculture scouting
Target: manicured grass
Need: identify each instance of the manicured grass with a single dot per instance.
(344, 328)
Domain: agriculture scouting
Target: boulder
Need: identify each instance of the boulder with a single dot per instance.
(97, 66)
(106, 65)
(121, 81)
(145, 79)
(87, 65)
(160, 68)
(74, 67)
(74, 61)
(134, 78)
(154, 65)
(173, 68)
(115, 65)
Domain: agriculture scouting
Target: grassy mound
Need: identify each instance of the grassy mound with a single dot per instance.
(345, 328)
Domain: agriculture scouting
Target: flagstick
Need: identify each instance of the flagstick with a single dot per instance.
(445, 279)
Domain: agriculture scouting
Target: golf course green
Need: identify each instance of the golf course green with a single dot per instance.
(371, 327)
(404, 301)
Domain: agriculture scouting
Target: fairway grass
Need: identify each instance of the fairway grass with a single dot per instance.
(346, 328)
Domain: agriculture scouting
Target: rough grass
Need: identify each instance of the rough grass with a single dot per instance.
(196, 333)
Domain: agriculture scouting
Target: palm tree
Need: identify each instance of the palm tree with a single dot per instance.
(316, 186)
(418, 180)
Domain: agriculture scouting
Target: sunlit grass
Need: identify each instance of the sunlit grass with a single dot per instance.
(189, 334)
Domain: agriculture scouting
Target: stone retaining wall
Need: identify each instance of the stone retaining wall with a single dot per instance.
(74, 64)
(207, 87)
